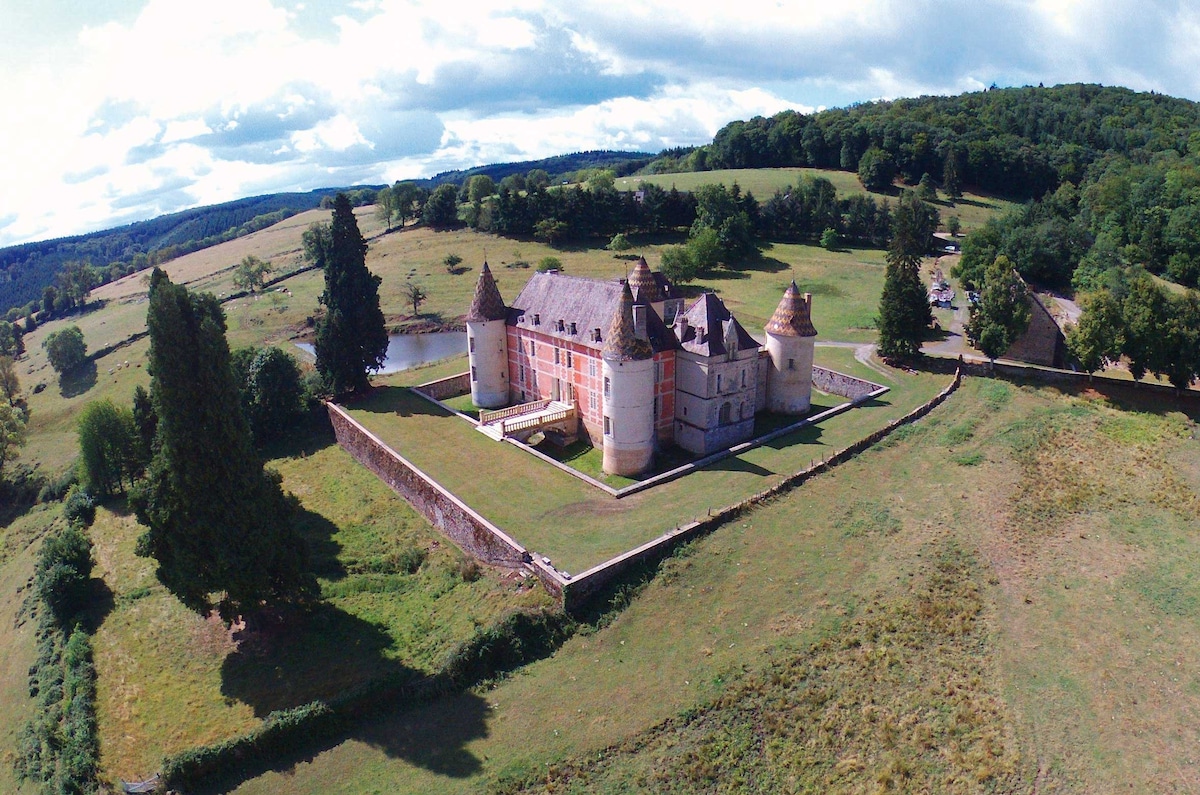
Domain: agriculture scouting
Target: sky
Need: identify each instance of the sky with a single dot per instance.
(121, 110)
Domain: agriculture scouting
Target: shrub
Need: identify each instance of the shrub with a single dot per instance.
(63, 573)
(546, 264)
(79, 508)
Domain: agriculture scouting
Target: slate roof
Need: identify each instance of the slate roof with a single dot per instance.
(792, 317)
(589, 304)
(487, 303)
(622, 344)
(709, 324)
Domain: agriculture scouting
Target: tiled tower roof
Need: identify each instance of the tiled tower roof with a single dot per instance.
(622, 344)
(792, 317)
(487, 303)
(645, 287)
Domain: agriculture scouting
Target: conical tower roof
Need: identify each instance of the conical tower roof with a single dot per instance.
(622, 344)
(643, 284)
(792, 317)
(487, 303)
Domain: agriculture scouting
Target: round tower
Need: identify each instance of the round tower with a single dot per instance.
(628, 369)
(487, 344)
(790, 341)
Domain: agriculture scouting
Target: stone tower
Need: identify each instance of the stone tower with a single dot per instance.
(487, 344)
(628, 394)
(790, 340)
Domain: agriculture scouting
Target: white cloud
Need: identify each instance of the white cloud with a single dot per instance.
(205, 102)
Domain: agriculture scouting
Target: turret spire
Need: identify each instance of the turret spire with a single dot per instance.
(487, 303)
(793, 316)
(622, 342)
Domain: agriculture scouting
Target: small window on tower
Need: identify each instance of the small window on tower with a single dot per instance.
(473, 377)
(607, 427)
(791, 364)
(471, 344)
(743, 377)
(607, 388)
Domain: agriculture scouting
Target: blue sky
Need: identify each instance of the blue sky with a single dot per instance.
(121, 110)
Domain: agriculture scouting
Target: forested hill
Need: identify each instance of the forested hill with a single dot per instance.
(620, 163)
(26, 269)
(1020, 142)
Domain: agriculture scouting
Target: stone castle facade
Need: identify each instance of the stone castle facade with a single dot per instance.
(641, 369)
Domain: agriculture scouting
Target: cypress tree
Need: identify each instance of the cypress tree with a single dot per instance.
(218, 524)
(904, 306)
(351, 338)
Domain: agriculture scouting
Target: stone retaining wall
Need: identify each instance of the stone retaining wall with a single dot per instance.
(449, 387)
(471, 532)
(1073, 380)
(834, 383)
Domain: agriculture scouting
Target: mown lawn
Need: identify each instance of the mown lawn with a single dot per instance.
(578, 526)
(1002, 597)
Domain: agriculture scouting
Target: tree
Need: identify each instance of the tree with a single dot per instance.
(1143, 315)
(414, 294)
(317, 242)
(351, 338)
(829, 239)
(218, 524)
(904, 313)
(536, 178)
(405, 196)
(10, 340)
(1002, 312)
(49, 296)
(66, 349)
(108, 448)
(75, 281)
(441, 211)
(12, 432)
(1180, 358)
(619, 243)
(385, 207)
(274, 396)
(951, 183)
(926, 189)
(953, 225)
(1096, 339)
(876, 170)
(546, 264)
(250, 273)
(678, 265)
(452, 261)
(10, 385)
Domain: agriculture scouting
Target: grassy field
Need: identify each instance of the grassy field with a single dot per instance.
(395, 602)
(1002, 598)
(972, 209)
(579, 526)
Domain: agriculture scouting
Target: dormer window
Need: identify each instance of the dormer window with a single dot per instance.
(537, 319)
(562, 326)
(574, 329)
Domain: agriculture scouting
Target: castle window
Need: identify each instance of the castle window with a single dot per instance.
(562, 326)
(569, 363)
(471, 344)
(533, 379)
(592, 402)
(685, 411)
(592, 367)
(607, 427)
(607, 388)
(655, 415)
(596, 334)
(556, 355)
(537, 319)
(718, 382)
(574, 329)
(723, 416)
(791, 364)
(473, 376)
(521, 373)
(532, 348)
(743, 378)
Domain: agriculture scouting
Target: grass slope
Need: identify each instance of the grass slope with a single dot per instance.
(1002, 598)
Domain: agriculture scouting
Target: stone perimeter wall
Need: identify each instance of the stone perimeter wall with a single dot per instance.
(579, 589)
(471, 532)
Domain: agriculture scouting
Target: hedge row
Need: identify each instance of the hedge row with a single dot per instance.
(518, 637)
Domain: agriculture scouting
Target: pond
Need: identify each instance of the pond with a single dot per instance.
(409, 350)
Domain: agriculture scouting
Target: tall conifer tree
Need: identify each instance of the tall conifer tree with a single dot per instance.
(904, 306)
(351, 338)
(219, 525)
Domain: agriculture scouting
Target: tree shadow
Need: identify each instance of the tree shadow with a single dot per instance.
(398, 400)
(809, 434)
(78, 380)
(737, 464)
(101, 602)
(328, 655)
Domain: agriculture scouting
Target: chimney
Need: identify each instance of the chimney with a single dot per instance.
(683, 327)
(808, 299)
(639, 322)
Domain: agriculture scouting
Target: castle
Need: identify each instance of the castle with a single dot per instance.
(634, 368)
